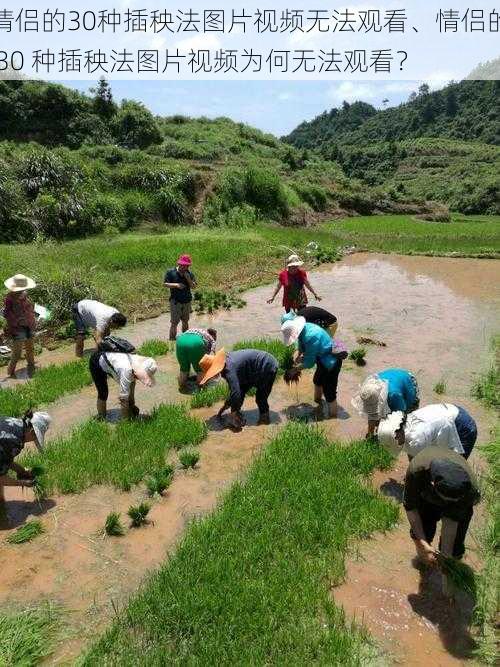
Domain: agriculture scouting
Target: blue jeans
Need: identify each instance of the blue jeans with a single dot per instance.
(467, 431)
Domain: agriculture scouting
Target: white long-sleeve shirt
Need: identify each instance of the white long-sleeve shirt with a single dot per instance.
(432, 425)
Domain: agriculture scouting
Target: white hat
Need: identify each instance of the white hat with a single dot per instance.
(40, 423)
(294, 260)
(19, 283)
(371, 400)
(150, 366)
(292, 329)
(387, 432)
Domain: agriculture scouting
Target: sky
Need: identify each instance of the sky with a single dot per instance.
(272, 106)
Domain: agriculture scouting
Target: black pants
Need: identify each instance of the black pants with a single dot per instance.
(99, 377)
(430, 514)
(328, 379)
(264, 389)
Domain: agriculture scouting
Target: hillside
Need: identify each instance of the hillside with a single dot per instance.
(442, 146)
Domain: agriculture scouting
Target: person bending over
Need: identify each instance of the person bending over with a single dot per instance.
(190, 347)
(90, 314)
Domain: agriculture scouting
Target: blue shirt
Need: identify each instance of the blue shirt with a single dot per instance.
(402, 394)
(179, 295)
(316, 345)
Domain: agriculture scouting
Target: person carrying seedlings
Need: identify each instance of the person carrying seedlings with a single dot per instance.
(385, 392)
(321, 317)
(90, 314)
(190, 347)
(439, 486)
(294, 282)
(242, 370)
(19, 314)
(125, 369)
(315, 348)
(180, 281)
(14, 434)
(440, 425)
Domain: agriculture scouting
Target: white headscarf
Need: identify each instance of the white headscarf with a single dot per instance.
(371, 400)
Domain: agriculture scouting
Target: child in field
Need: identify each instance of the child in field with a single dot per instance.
(19, 313)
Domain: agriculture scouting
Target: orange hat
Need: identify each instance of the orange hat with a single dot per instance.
(212, 365)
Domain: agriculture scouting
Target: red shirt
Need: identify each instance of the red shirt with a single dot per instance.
(294, 294)
(19, 313)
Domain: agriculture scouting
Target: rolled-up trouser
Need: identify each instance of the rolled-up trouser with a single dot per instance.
(99, 377)
(467, 431)
(327, 379)
(189, 349)
(430, 514)
(264, 388)
(81, 328)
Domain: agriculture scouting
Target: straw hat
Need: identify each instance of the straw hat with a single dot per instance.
(40, 423)
(19, 283)
(292, 329)
(184, 260)
(294, 260)
(211, 365)
(387, 432)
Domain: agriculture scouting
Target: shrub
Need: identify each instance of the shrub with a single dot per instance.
(189, 458)
(105, 207)
(40, 168)
(172, 206)
(135, 127)
(113, 525)
(60, 293)
(138, 514)
(26, 533)
(265, 191)
(137, 207)
(314, 195)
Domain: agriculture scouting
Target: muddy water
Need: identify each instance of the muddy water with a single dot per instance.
(435, 316)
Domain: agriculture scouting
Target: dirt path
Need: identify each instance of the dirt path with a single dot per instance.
(435, 316)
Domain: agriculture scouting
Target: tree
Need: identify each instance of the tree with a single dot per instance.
(385, 102)
(103, 104)
(424, 90)
(135, 127)
(451, 102)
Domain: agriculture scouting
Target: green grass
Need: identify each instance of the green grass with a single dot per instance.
(138, 514)
(26, 533)
(159, 481)
(188, 458)
(243, 590)
(487, 387)
(113, 525)
(97, 453)
(154, 348)
(358, 356)
(207, 396)
(28, 637)
(440, 387)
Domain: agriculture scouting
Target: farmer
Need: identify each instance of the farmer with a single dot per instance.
(439, 485)
(441, 425)
(293, 280)
(125, 369)
(242, 370)
(385, 392)
(315, 349)
(321, 317)
(19, 313)
(14, 434)
(190, 347)
(90, 314)
(180, 281)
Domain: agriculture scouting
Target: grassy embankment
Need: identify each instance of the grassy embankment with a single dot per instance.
(241, 589)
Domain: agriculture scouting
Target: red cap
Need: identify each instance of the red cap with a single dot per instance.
(184, 260)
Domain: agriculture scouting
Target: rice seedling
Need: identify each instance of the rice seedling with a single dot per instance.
(460, 575)
(245, 591)
(157, 483)
(26, 533)
(440, 387)
(487, 386)
(113, 525)
(26, 638)
(358, 356)
(154, 348)
(97, 453)
(189, 458)
(282, 353)
(208, 396)
(211, 300)
(138, 514)
(39, 482)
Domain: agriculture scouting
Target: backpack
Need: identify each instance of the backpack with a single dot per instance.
(116, 344)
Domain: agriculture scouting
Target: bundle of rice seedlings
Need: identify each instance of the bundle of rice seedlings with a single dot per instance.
(113, 526)
(138, 514)
(39, 483)
(26, 533)
(159, 481)
(292, 375)
(358, 356)
(459, 575)
(189, 458)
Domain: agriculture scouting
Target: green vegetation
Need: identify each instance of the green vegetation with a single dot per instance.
(26, 533)
(358, 356)
(113, 525)
(138, 515)
(188, 458)
(154, 348)
(96, 453)
(240, 589)
(28, 637)
(211, 300)
(487, 386)
(272, 345)
(440, 387)
(460, 576)
(207, 396)
(159, 481)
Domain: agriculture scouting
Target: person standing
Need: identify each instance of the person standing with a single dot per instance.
(14, 434)
(315, 348)
(440, 425)
(90, 314)
(19, 313)
(394, 389)
(439, 486)
(294, 281)
(242, 370)
(190, 347)
(180, 280)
